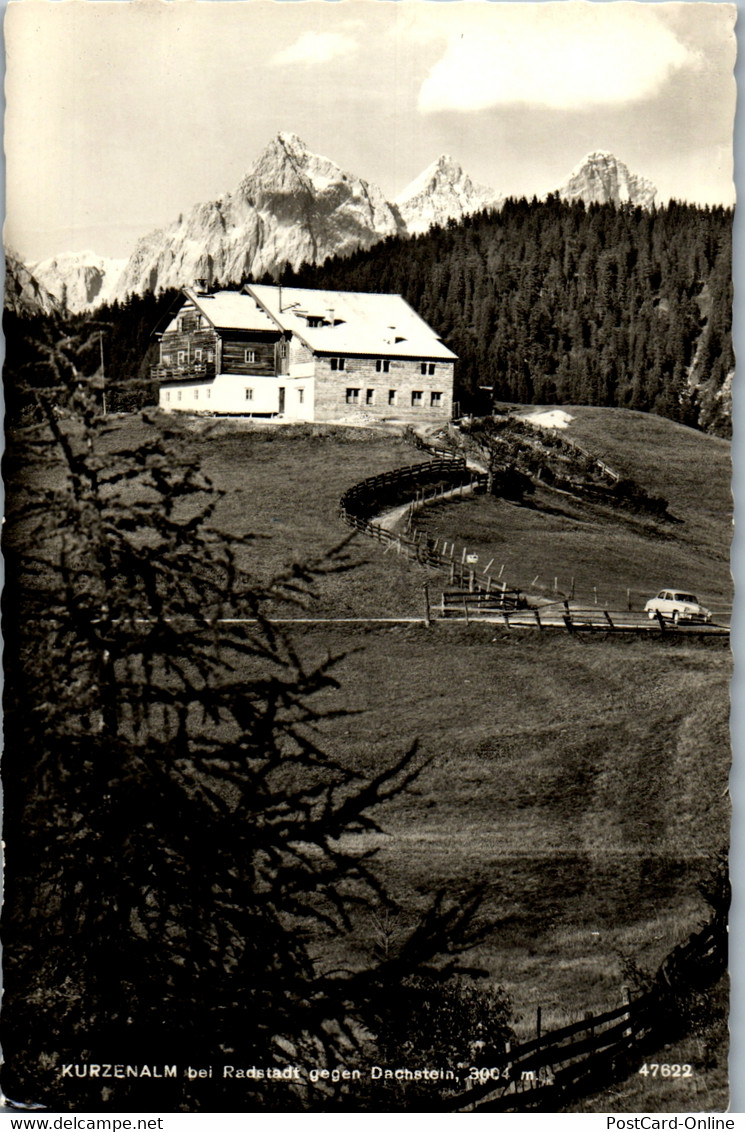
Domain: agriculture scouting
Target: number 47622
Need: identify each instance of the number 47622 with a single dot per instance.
(653, 1069)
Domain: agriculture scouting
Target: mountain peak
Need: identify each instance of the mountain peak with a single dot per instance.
(291, 142)
(441, 193)
(600, 178)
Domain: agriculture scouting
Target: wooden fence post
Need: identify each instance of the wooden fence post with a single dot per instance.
(511, 1087)
(427, 620)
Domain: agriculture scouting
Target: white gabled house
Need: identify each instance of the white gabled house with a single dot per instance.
(302, 355)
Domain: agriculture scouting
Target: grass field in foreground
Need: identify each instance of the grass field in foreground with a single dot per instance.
(580, 787)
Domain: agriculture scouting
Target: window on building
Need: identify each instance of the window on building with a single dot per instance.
(182, 357)
(431, 369)
(416, 397)
(249, 356)
(383, 365)
(196, 394)
(210, 355)
(283, 348)
(249, 394)
(338, 363)
(369, 396)
(427, 368)
(208, 393)
(166, 359)
(168, 395)
(178, 395)
(435, 400)
(197, 355)
(391, 396)
(353, 396)
(300, 396)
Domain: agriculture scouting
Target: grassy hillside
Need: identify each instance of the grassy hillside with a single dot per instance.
(552, 536)
(579, 786)
(284, 484)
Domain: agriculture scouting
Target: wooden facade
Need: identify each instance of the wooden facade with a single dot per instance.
(246, 353)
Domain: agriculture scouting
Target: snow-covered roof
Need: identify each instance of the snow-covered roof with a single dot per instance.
(351, 322)
(231, 310)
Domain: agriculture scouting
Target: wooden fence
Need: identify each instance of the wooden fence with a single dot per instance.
(553, 1068)
(378, 492)
(419, 484)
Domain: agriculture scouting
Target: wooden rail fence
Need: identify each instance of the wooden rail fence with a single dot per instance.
(419, 484)
(473, 590)
(555, 1067)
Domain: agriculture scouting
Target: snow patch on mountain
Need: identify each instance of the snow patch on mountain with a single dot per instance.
(443, 192)
(601, 178)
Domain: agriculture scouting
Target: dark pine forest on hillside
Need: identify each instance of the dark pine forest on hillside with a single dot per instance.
(544, 302)
(556, 302)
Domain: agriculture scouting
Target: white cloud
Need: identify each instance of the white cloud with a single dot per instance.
(316, 47)
(562, 55)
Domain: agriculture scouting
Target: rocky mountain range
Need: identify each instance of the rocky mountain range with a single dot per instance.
(23, 293)
(79, 280)
(294, 206)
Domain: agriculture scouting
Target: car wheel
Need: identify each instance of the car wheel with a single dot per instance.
(652, 615)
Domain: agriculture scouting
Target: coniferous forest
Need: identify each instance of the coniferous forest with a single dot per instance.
(552, 302)
(543, 302)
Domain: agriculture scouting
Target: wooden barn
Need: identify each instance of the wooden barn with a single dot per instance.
(302, 355)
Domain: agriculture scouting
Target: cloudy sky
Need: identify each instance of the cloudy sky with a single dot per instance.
(122, 115)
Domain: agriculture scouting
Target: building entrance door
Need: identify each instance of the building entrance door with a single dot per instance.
(281, 398)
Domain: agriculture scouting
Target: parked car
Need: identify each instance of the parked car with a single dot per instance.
(675, 606)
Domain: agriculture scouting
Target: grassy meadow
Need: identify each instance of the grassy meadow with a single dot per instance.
(579, 786)
(552, 537)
